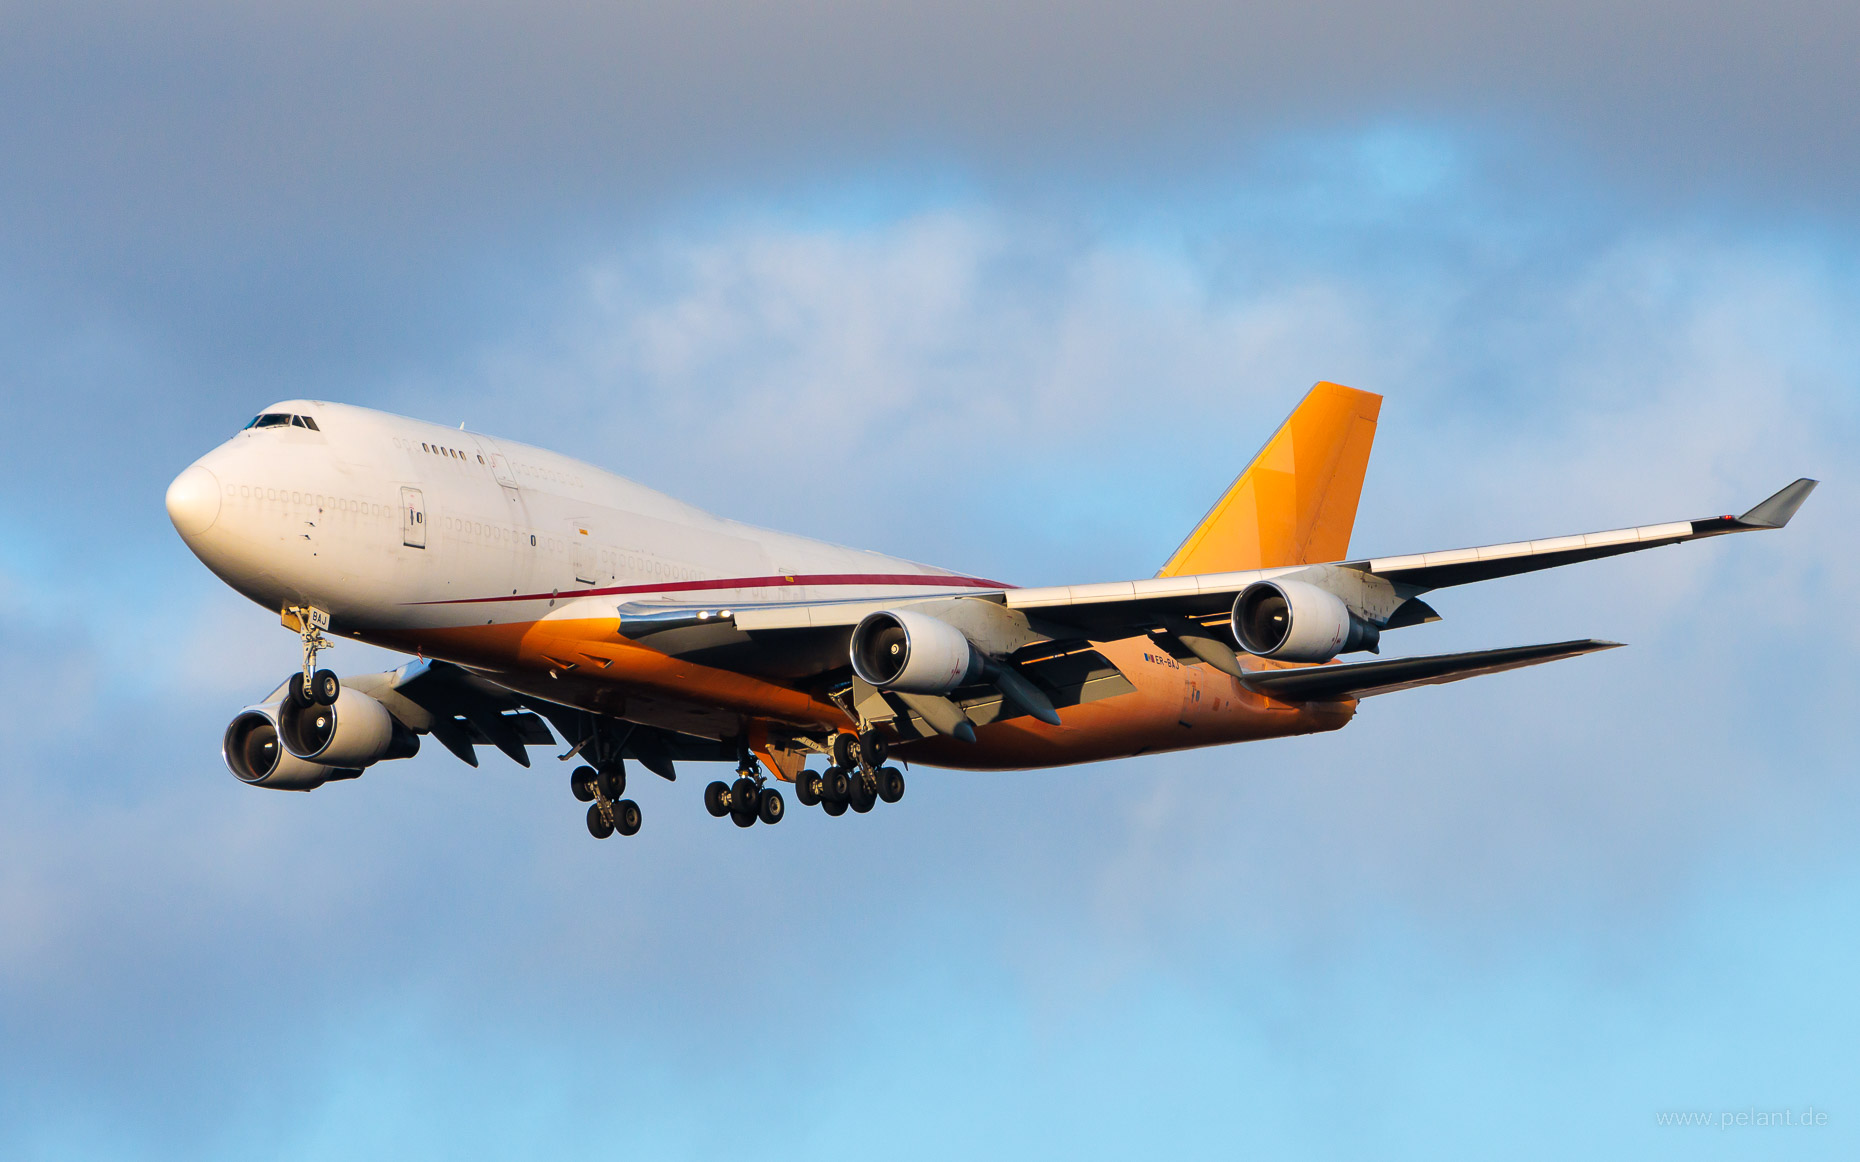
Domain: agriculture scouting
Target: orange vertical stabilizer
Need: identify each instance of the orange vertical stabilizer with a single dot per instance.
(1296, 502)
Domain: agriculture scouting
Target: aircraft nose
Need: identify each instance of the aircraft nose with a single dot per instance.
(194, 501)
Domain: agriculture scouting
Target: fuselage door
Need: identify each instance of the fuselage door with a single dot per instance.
(497, 461)
(412, 518)
(581, 551)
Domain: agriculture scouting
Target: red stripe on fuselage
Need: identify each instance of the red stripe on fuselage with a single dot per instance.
(780, 581)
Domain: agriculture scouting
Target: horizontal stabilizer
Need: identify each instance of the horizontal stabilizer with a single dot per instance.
(1362, 679)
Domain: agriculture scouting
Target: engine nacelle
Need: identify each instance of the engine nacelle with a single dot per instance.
(353, 732)
(903, 649)
(254, 754)
(1298, 622)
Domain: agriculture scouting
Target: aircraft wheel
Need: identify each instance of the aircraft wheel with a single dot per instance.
(807, 788)
(716, 799)
(863, 797)
(769, 807)
(626, 817)
(582, 782)
(891, 784)
(296, 695)
(612, 781)
(873, 748)
(743, 794)
(845, 751)
(835, 785)
(599, 826)
(324, 687)
(833, 807)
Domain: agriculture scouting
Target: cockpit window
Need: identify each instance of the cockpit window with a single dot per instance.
(282, 420)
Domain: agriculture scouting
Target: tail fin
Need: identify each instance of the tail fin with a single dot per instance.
(1296, 502)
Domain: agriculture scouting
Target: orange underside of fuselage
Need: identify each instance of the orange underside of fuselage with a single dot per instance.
(586, 663)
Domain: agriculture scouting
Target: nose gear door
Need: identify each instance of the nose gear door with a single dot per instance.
(412, 518)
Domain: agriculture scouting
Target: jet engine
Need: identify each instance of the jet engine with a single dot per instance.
(1296, 621)
(354, 731)
(253, 753)
(903, 649)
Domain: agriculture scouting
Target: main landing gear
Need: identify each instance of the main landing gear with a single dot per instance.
(854, 782)
(602, 784)
(601, 788)
(745, 800)
(855, 779)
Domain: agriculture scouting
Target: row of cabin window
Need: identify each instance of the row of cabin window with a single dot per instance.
(340, 504)
(548, 474)
(495, 532)
(454, 453)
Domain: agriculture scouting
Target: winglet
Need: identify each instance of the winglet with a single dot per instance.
(1775, 512)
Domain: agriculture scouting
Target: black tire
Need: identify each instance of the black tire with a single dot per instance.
(845, 751)
(325, 687)
(863, 803)
(581, 781)
(626, 817)
(599, 826)
(835, 785)
(743, 793)
(874, 748)
(296, 695)
(743, 818)
(807, 788)
(770, 807)
(612, 781)
(833, 807)
(891, 784)
(716, 799)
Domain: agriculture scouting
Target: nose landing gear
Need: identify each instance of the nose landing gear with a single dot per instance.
(313, 687)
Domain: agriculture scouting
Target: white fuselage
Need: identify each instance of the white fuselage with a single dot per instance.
(390, 523)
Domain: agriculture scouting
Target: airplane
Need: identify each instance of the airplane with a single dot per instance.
(535, 591)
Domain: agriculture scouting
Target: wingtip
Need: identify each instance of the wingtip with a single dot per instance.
(1774, 513)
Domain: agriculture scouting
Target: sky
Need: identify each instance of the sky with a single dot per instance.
(1015, 288)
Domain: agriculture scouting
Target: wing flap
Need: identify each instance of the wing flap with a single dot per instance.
(1383, 676)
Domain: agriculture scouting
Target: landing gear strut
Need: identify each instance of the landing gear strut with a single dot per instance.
(313, 686)
(602, 784)
(747, 799)
(856, 779)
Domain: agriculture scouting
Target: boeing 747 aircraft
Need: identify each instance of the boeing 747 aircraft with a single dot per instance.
(535, 591)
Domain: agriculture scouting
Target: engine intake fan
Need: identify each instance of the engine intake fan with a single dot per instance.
(1298, 622)
(254, 755)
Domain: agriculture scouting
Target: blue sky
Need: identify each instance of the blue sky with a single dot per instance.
(1015, 291)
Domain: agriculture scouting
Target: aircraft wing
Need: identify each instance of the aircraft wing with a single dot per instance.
(1378, 588)
(1187, 616)
(1362, 679)
(1405, 577)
